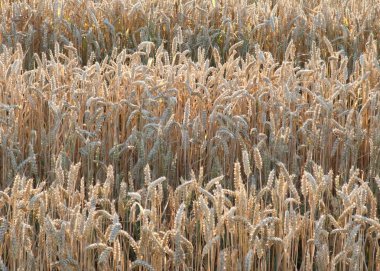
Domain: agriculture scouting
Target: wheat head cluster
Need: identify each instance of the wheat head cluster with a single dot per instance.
(191, 135)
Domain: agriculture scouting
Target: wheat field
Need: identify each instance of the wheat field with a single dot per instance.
(189, 135)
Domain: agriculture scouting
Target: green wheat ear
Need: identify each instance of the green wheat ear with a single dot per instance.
(213, 3)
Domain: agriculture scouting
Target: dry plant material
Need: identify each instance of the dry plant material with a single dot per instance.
(146, 136)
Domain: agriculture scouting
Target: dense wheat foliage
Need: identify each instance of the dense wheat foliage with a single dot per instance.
(189, 135)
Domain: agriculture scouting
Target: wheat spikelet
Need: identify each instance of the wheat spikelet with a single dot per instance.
(142, 263)
(103, 257)
(246, 164)
(271, 179)
(258, 160)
